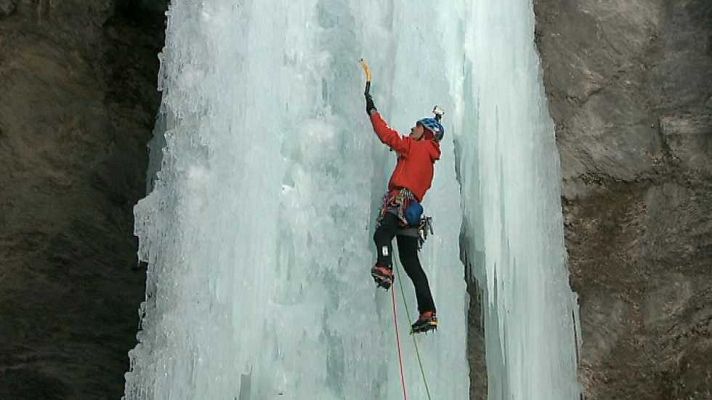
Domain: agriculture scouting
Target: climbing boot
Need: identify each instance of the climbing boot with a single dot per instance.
(426, 322)
(382, 275)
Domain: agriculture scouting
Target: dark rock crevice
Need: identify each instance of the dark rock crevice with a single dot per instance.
(77, 104)
(476, 346)
(7, 7)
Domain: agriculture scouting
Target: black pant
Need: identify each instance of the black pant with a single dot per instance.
(408, 254)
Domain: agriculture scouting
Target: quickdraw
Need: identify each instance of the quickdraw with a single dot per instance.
(424, 229)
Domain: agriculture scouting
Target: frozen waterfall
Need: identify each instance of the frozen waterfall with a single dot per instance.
(258, 229)
(512, 219)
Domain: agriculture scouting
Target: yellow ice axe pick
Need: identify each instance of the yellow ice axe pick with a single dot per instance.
(367, 71)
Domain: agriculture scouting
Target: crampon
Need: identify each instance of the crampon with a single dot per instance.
(426, 322)
(382, 275)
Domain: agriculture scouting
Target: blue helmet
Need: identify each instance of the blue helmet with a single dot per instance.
(434, 126)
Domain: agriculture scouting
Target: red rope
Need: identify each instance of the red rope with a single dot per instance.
(400, 358)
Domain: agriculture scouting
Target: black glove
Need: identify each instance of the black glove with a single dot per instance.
(369, 104)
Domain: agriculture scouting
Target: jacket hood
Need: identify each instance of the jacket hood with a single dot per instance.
(434, 149)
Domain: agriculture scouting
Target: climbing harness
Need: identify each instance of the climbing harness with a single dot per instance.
(421, 231)
(398, 202)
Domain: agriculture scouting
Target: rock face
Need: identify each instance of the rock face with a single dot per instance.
(629, 84)
(7, 7)
(77, 104)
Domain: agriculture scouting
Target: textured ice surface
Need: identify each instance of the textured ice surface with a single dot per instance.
(258, 229)
(510, 179)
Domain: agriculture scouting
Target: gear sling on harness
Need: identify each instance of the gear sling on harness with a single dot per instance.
(403, 204)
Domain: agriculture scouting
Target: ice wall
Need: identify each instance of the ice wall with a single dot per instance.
(512, 225)
(258, 229)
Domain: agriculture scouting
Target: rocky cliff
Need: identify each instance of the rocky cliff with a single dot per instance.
(629, 84)
(77, 105)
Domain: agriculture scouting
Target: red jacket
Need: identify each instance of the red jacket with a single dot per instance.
(416, 158)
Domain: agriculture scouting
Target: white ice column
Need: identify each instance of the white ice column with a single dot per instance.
(510, 177)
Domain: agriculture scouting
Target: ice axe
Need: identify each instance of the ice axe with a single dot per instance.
(366, 71)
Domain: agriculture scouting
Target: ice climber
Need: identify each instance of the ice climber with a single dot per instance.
(401, 213)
